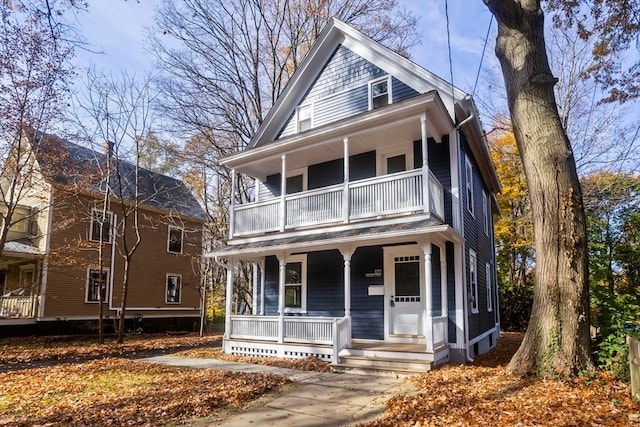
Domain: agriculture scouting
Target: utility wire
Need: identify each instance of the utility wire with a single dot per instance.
(446, 12)
(484, 48)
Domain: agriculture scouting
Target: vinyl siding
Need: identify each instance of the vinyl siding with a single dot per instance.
(325, 289)
(439, 165)
(341, 90)
(71, 257)
(478, 241)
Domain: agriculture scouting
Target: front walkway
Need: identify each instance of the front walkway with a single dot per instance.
(313, 400)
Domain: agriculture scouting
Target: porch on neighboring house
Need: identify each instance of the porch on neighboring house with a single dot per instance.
(363, 300)
(20, 268)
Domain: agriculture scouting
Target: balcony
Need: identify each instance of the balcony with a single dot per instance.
(381, 196)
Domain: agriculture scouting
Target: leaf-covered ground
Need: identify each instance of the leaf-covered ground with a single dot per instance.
(486, 393)
(34, 349)
(117, 392)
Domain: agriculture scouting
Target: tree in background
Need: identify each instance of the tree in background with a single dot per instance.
(514, 234)
(612, 204)
(224, 65)
(118, 112)
(35, 48)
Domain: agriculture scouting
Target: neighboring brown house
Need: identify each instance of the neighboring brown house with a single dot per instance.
(50, 273)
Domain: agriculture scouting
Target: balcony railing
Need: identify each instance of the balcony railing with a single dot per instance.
(17, 307)
(369, 198)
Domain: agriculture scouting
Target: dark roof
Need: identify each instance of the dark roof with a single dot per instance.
(68, 164)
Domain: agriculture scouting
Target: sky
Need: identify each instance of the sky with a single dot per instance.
(117, 28)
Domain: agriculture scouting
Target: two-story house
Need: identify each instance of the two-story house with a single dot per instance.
(371, 223)
(51, 277)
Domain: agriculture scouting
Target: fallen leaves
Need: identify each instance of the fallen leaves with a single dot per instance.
(33, 349)
(115, 391)
(486, 393)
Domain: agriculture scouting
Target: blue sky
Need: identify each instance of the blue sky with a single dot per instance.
(117, 27)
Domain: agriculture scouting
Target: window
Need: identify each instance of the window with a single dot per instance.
(101, 224)
(97, 282)
(295, 285)
(489, 287)
(379, 93)
(34, 228)
(174, 288)
(174, 243)
(295, 184)
(473, 281)
(396, 164)
(305, 116)
(469, 186)
(485, 212)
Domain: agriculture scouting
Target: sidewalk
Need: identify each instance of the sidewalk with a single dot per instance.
(314, 399)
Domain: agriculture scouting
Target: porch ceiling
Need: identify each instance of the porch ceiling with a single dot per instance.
(376, 129)
(350, 236)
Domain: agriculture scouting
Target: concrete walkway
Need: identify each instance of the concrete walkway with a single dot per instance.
(314, 399)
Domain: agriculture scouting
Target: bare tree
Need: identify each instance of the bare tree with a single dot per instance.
(34, 77)
(118, 111)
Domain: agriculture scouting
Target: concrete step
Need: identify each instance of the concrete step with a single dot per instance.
(386, 362)
(376, 370)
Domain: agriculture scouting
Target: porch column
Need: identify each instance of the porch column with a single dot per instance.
(428, 323)
(346, 255)
(254, 293)
(443, 290)
(425, 163)
(283, 193)
(228, 299)
(262, 282)
(232, 204)
(281, 289)
(345, 192)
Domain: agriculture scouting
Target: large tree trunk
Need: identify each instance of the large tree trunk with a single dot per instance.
(557, 340)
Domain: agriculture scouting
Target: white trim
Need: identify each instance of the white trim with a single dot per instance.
(311, 107)
(107, 292)
(296, 172)
(469, 186)
(489, 286)
(302, 259)
(485, 212)
(111, 222)
(398, 149)
(374, 82)
(166, 288)
(389, 255)
(473, 281)
(175, 227)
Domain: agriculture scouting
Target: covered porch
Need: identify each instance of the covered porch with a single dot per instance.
(367, 317)
(20, 268)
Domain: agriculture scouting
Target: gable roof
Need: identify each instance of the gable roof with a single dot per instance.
(334, 34)
(67, 164)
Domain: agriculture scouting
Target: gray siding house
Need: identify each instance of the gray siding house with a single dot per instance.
(371, 228)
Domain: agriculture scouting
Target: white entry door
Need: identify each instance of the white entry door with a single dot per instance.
(405, 301)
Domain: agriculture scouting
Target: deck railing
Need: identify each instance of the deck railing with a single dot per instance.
(18, 307)
(392, 194)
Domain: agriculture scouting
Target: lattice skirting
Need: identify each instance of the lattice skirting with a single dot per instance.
(287, 351)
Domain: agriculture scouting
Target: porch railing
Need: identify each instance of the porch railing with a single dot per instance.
(334, 331)
(18, 307)
(369, 198)
(439, 327)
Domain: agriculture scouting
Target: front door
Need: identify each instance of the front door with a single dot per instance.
(404, 296)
